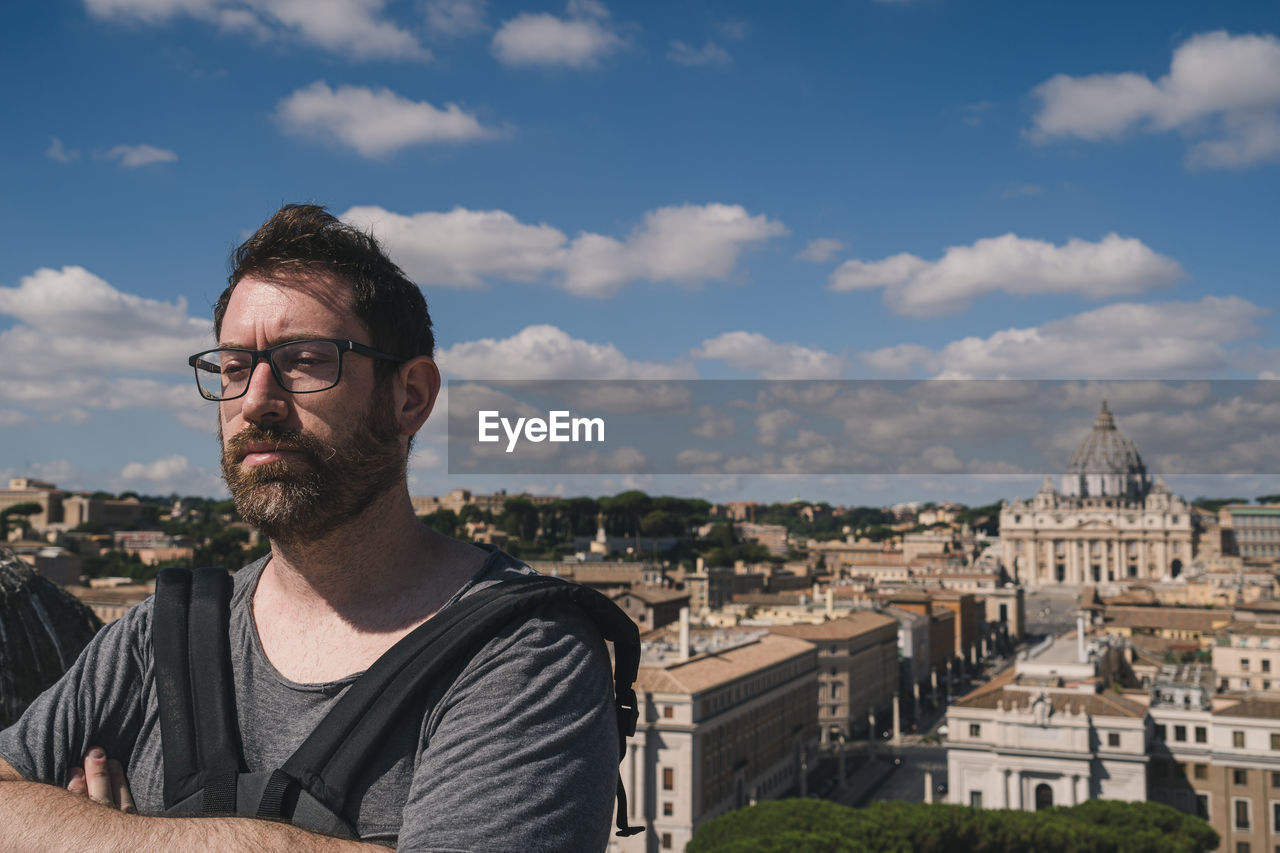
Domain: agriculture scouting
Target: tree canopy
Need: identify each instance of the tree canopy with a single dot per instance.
(818, 826)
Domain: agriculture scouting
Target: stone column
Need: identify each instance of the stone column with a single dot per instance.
(1075, 790)
(1017, 790)
(1006, 792)
(928, 786)
(1142, 557)
(897, 721)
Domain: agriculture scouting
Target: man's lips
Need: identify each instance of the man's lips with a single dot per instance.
(260, 453)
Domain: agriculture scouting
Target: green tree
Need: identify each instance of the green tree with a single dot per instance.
(18, 515)
(817, 826)
(443, 521)
(519, 518)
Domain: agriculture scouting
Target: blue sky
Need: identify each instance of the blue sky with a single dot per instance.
(639, 190)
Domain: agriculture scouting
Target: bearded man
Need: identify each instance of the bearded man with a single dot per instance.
(323, 373)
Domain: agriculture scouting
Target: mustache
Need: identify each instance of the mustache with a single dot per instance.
(279, 438)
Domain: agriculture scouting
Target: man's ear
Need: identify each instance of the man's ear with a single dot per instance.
(417, 387)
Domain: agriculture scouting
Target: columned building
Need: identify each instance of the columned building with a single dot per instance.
(1108, 522)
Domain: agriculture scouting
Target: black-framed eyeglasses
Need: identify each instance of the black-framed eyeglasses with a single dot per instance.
(300, 367)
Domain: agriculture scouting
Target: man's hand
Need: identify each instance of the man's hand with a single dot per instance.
(102, 780)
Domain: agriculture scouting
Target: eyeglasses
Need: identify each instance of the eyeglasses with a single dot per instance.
(300, 367)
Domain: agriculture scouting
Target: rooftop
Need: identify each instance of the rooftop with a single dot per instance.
(711, 669)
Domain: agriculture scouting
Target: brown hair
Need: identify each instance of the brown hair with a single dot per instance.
(306, 240)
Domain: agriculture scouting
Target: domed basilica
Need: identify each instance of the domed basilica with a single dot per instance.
(1108, 523)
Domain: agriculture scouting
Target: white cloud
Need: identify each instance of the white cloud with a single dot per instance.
(160, 470)
(820, 251)
(1113, 266)
(463, 247)
(710, 53)
(1021, 190)
(94, 344)
(579, 40)
(1222, 89)
(73, 302)
(355, 28)
(546, 352)
(456, 17)
(133, 156)
(59, 153)
(1120, 341)
(755, 353)
(374, 122)
(685, 244)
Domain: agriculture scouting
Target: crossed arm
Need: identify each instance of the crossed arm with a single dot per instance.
(94, 813)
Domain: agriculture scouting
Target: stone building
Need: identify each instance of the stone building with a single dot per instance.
(1049, 733)
(857, 669)
(718, 730)
(1107, 522)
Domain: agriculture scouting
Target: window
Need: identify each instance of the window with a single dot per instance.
(668, 779)
(1275, 778)
(1201, 771)
(975, 799)
(1113, 738)
(1275, 740)
(1202, 806)
(1242, 847)
(1161, 732)
(1266, 664)
(1202, 734)
(1242, 814)
(668, 712)
(1237, 739)
(1275, 816)
(1180, 733)
(666, 841)
(1239, 776)
(668, 809)
(975, 730)
(1244, 664)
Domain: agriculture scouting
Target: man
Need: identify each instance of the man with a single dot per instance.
(323, 374)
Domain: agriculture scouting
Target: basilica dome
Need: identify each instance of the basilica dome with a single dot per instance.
(42, 630)
(1106, 463)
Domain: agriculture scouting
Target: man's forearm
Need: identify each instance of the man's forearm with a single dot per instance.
(38, 818)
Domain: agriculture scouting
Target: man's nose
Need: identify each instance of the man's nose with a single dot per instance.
(264, 399)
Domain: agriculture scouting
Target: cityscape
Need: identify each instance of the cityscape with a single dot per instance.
(905, 369)
(1103, 639)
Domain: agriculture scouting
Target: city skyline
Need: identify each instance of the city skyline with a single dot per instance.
(630, 191)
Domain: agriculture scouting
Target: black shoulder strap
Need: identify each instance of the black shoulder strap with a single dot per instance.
(198, 727)
(330, 758)
(202, 752)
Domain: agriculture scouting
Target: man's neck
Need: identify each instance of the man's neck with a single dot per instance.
(378, 572)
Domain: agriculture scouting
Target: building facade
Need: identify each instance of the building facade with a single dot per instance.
(857, 670)
(717, 731)
(1107, 522)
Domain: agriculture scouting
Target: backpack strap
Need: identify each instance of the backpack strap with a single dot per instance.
(198, 728)
(326, 764)
(204, 767)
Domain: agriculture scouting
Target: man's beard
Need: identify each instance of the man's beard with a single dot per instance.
(326, 485)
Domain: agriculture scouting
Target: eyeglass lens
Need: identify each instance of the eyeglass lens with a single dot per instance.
(301, 367)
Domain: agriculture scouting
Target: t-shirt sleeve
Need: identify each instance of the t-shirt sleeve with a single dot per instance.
(97, 702)
(522, 751)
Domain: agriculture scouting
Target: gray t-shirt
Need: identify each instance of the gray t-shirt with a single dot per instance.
(519, 752)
